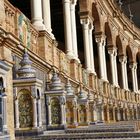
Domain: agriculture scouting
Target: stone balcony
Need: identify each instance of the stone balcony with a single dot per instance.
(41, 44)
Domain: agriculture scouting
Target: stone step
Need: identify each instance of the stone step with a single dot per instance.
(103, 128)
(80, 136)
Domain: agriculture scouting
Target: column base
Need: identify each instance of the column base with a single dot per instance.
(39, 26)
(70, 56)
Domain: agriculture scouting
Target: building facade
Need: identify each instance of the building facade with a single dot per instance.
(66, 63)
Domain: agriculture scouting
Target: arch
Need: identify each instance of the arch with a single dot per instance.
(108, 33)
(25, 108)
(96, 17)
(120, 51)
(129, 60)
(129, 54)
(119, 45)
(55, 111)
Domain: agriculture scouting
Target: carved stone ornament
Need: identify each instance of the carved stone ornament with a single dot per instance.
(56, 83)
(68, 88)
(26, 70)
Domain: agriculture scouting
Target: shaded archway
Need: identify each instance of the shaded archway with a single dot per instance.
(129, 72)
(97, 29)
(25, 109)
(119, 52)
(96, 17)
(109, 45)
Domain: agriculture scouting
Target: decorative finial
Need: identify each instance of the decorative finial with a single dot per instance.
(56, 82)
(82, 95)
(68, 88)
(26, 70)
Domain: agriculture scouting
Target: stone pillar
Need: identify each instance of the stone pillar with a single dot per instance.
(118, 114)
(95, 113)
(102, 67)
(136, 77)
(5, 114)
(34, 113)
(36, 9)
(67, 28)
(75, 112)
(112, 64)
(115, 66)
(91, 48)
(16, 113)
(49, 110)
(114, 117)
(123, 61)
(39, 113)
(63, 110)
(85, 27)
(132, 66)
(108, 118)
(47, 16)
(104, 61)
(73, 28)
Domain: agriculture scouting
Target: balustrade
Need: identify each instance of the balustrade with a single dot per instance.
(17, 24)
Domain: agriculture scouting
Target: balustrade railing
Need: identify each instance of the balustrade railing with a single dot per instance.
(19, 25)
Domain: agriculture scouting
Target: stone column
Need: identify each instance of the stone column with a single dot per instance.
(67, 28)
(36, 9)
(115, 66)
(132, 67)
(39, 113)
(49, 110)
(73, 28)
(123, 61)
(100, 44)
(91, 48)
(5, 113)
(85, 27)
(34, 113)
(63, 110)
(112, 64)
(47, 16)
(75, 112)
(118, 114)
(136, 77)
(16, 113)
(104, 61)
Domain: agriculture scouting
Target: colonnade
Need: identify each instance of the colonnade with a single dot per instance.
(42, 20)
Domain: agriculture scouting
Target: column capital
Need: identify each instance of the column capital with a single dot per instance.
(85, 22)
(123, 59)
(91, 27)
(112, 50)
(66, 1)
(100, 37)
(133, 65)
(74, 2)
